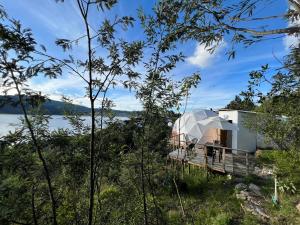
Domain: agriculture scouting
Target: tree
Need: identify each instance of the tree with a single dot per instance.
(18, 64)
(102, 75)
(159, 93)
(241, 104)
(210, 22)
(278, 110)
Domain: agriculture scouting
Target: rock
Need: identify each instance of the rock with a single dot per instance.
(240, 186)
(255, 210)
(264, 172)
(249, 196)
(261, 213)
(267, 171)
(244, 195)
(255, 189)
(298, 207)
(254, 200)
(241, 196)
(257, 171)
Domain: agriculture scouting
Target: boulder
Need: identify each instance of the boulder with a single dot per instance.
(255, 210)
(255, 189)
(254, 200)
(240, 186)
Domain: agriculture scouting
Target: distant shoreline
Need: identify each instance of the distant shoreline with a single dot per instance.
(20, 114)
(53, 107)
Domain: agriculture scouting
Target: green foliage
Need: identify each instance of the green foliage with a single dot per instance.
(241, 104)
(285, 164)
(211, 22)
(205, 201)
(287, 187)
(278, 113)
(250, 220)
(118, 199)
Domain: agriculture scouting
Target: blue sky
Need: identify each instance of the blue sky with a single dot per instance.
(221, 79)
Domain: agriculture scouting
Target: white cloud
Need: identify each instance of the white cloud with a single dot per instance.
(8, 92)
(73, 88)
(127, 102)
(70, 86)
(202, 57)
(291, 40)
(57, 85)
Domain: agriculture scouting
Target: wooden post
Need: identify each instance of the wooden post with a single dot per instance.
(207, 174)
(205, 155)
(223, 156)
(206, 167)
(232, 155)
(189, 168)
(174, 142)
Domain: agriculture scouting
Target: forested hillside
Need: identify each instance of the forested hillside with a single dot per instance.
(50, 107)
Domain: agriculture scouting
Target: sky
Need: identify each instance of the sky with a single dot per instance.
(221, 79)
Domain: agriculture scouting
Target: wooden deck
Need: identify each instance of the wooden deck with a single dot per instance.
(216, 158)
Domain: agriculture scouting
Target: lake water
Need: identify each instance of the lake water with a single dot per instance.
(9, 122)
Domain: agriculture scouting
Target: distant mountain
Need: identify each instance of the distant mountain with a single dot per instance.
(51, 107)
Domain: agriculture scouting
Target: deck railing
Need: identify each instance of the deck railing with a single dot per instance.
(216, 157)
(237, 161)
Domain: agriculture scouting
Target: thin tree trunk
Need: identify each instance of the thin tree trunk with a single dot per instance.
(142, 155)
(33, 207)
(84, 13)
(143, 187)
(178, 195)
(92, 140)
(92, 156)
(38, 149)
(157, 212)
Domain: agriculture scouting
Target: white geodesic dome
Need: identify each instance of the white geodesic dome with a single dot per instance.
(193, 126)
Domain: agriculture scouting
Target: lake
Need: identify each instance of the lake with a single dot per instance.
(9, 122)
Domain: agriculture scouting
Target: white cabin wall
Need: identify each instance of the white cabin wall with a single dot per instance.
(233, 116)
(243, 138)
(246, 139)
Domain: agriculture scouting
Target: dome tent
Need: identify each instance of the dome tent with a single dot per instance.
(187, 125)
(195, 126)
